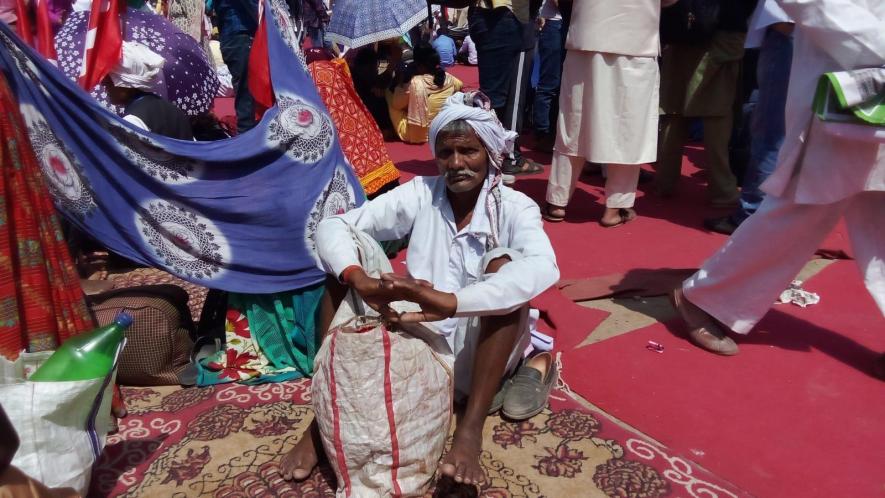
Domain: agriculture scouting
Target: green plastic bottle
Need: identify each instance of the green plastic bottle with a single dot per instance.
(87, 356)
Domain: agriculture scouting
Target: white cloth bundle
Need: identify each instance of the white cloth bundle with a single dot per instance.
(139, 67)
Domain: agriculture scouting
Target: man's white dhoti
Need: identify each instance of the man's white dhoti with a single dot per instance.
(739, 283)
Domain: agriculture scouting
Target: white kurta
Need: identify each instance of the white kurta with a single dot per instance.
(448, 258)
(814, 167)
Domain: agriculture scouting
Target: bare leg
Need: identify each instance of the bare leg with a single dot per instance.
(300, 461)
(498, 336)
(620, 194)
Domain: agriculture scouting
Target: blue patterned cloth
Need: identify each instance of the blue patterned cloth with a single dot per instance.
(238, 214)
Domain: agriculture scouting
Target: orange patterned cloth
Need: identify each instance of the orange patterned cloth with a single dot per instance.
(360, 136)
(41, 301)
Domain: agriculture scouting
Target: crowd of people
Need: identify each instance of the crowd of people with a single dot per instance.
(607, 86)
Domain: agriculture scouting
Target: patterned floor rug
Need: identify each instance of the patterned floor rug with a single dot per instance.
(226, 441)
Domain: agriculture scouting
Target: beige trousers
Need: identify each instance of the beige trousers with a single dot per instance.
(620, 182)
(739, 283)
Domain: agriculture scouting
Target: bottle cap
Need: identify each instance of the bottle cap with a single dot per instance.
(123, 319)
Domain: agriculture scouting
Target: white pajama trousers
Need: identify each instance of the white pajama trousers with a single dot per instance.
(620, 181)
(739, 283)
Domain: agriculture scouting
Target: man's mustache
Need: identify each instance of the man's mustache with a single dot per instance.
(461, 172)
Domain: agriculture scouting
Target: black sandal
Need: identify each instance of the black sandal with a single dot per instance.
(523, 166)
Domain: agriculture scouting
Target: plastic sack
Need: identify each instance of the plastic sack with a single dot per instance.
(383, 403)
(61, 425)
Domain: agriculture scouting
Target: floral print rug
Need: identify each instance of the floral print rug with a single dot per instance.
(227, 440)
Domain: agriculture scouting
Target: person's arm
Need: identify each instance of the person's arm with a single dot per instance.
(519, 281)
(842, 29)
(389, 216)
(513, 285)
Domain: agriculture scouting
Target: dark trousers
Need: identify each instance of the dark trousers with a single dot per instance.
(498, 38)
(768, 126)
(235, 52)
(551, 52)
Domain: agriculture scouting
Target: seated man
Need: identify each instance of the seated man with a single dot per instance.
(478, 254)
(445, 47)
(419, 95)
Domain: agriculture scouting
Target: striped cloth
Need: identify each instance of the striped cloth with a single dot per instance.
(41, 303)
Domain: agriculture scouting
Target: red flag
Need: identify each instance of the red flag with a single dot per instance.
(104, 42)
(24, 22)
(45, 43)
(259, 67)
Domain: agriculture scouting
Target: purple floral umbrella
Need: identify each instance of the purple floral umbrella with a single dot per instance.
(188, 79)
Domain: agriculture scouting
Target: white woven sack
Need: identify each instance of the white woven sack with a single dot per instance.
(383, 402)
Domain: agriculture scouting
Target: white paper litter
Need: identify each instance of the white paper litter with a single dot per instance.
(797, 295)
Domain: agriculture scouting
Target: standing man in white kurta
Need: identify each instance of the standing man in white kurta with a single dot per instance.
(819, 179)
(608, 104)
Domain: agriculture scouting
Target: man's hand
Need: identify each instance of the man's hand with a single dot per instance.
(374, 292)
(435, 305)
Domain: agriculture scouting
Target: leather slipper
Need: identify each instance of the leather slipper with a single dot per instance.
(704, 332)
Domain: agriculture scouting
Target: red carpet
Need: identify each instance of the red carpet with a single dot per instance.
(794, 414)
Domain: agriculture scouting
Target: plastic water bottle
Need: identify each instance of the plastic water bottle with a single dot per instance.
(87, 356)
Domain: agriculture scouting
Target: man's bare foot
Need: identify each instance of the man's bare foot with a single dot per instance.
(300, 461)
(617, 216)
(462, 461)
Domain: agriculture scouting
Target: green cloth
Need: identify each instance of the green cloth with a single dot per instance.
(279, 343)
(852, 96)
(701, 81)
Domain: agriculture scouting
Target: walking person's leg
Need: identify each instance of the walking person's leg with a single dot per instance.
(768, 123)
(235, 53)
(738, 284)
(549, 52)
(564, 174)
(722, 187)
(620, 194)
(668, 169)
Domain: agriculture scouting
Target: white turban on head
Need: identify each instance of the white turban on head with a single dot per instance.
(475, 109)
(139, 67)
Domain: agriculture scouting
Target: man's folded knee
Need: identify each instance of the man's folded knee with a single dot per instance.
(496, 264)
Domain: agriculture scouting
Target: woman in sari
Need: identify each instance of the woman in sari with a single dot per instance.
(419, 95)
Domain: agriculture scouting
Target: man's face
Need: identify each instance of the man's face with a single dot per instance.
(117, 95)
(462, 160)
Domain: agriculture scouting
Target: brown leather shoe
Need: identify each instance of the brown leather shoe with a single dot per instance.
(703, 330)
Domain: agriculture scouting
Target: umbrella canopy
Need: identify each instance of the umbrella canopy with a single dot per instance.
(360, 22)
(188, 80)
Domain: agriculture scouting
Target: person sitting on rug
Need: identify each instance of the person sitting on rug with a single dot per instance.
(418, 97)
(131, 85)
(478, 255)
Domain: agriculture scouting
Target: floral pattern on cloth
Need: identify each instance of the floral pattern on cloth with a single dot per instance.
(241, 359)
(228, 441)
(358, 133)
(267, 338)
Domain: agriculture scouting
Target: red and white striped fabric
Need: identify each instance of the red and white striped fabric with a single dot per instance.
(104, 42)
(383, 403)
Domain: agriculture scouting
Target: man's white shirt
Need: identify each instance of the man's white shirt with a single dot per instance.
(442, 255)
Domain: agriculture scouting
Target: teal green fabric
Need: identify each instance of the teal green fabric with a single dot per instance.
(284, 325)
